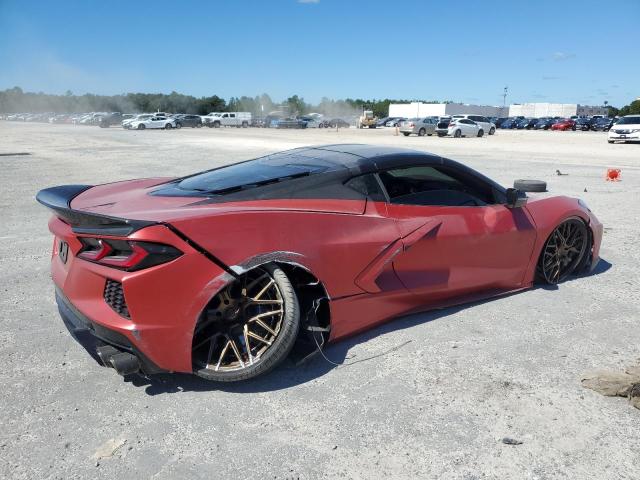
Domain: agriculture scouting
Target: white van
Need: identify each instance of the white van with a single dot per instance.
(230, 119)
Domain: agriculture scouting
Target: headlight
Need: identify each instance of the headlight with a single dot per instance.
(635, 130)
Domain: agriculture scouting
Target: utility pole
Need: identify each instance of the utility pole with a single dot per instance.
(504, 96)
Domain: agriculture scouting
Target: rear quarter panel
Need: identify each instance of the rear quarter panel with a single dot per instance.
(335, 247)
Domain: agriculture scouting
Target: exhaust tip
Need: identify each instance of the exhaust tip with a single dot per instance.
(125, 363)
(105, 352)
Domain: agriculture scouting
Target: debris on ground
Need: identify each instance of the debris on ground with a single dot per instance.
(511, 441)
(616, 384)
(109, 448)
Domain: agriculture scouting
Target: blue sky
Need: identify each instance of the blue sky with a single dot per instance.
(459, 50)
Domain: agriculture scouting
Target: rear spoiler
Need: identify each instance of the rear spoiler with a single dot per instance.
(58, 199)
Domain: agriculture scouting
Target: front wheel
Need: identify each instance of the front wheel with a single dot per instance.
(564, 251)
(247, 328)
(492, 131)
(141, 127)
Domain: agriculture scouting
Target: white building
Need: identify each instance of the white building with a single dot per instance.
(538, 110)
(418, 109)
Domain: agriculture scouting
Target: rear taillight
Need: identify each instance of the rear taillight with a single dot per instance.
(412, 125)
(126, 255)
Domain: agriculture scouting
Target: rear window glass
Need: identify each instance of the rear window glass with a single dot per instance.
(261, 171)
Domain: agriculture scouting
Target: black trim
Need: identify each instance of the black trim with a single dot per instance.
(200, 249)
(58, 199)
(90, 334)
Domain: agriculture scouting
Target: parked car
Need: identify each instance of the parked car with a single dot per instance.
(382, 122)
(291, 123)
(584, 123)
(394, 122)
(602, 124)
(335, 123)
(499, 121)
(510, 123)
(526, 123)
(627, 129)
(143, 116)
(154, 122)
(311, 122)
(186, 120)
(114, 118)
(208, 118)
(459, 127)
(230, 119)
(564, 124)
(419, 126)
(544, 123)
(482, 121)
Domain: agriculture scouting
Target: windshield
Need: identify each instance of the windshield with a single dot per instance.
(261, 171)
(629, 121)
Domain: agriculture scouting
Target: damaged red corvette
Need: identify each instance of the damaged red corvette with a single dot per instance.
(224, 273)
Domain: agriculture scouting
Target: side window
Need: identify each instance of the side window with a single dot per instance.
(367, 185)
(232, 115)
(427, 185)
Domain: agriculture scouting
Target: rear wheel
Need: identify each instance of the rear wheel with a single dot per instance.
(480, 133)
(457, 134)
(564, 251)
(248, 328)
(406, 134)
(141, 127)
(168, 126)
(421, 132)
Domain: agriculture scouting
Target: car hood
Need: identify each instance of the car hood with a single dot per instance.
(133, 200)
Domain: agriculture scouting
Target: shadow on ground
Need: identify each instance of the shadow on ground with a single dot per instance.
(333, 356)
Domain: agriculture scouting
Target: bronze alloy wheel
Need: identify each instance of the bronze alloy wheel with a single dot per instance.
(563, 251)
(247, 328)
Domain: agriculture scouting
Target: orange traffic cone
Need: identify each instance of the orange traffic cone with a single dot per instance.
(613, 175)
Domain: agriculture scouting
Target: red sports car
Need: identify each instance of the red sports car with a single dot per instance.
(224, 272)
(564, 124)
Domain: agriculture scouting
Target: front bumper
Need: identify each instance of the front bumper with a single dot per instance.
(624, 137)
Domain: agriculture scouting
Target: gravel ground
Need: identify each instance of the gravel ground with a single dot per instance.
(428, 396)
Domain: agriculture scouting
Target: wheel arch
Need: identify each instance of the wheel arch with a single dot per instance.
(313, 299)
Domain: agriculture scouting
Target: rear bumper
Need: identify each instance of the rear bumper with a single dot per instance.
(164, 302)
(92, 335)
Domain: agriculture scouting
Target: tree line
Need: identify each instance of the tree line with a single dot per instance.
(15, 100)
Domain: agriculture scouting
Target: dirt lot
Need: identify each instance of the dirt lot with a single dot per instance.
(429, 396)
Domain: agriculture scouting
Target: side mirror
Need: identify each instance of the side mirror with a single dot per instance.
(514, 198)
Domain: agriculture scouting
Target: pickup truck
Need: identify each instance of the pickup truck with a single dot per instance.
(227, 119)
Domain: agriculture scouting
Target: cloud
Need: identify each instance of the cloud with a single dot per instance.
(562, 56)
